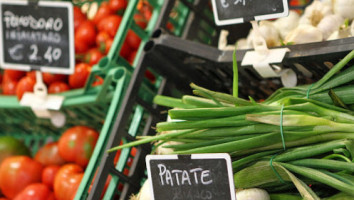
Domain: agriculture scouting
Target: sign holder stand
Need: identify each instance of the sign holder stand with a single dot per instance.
(262, 58)
(44, 105)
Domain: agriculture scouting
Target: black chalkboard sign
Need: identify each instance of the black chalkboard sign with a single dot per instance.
(239, 11)
(37, 36)
(194, 177)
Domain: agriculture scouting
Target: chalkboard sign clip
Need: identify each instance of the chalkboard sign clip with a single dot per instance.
(184, 157)
(42, 104)
(33, 3)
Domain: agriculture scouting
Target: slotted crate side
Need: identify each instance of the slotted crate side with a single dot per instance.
(135, 117)
(202, 62)
(106, 66)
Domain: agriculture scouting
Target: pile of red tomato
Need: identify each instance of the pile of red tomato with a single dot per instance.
(93, 39)
(55, 171)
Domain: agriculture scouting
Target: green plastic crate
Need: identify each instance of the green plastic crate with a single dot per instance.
(146, 93)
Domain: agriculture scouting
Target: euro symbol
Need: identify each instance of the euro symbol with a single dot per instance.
(224, 4)
(15, 52)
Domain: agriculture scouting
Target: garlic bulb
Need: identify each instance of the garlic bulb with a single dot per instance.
(314, 13)
(327, 2)
(304, 33)
(342, 32)
(344, 8)
(329, 24)
(241, 44)
(252, 194)
(286, 24)
(268, 32)
(144, 193)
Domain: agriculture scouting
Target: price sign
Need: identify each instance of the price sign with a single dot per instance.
(37, 36)
(196, 176)
(239, 11)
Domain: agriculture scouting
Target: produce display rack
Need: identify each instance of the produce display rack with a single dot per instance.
(204, 62)
(192, 56)
(122, 107)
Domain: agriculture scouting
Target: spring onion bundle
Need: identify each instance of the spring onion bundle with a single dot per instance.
(299, 140)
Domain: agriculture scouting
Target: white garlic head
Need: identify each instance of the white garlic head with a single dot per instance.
(286, 24)
(329, 24)
(315, 12)
(304, 33)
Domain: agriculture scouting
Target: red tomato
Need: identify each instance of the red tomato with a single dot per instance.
(140, 20)
(79, 17)
(110, 24)
(77, 144)
(31, 74)
(80, 47)
(133, 151)
(101, 38)
(108, 180)
(9, 87)
(17, 172)
(125, 50)
(35, 191)
(3, 198)
(145, 8)
(93, 56)
(86, 33)
(49, 155)
(67, 181)
(103, 11)
(26, 84)
(58, 87)
(49, 78)
(150, 76)
(131, 57)
(98, 81)
(79, 77)
(116, 157)
(108, 45)
(133, 40)
(48, 175)
(170, 26)
(0, 77)
(14, 74)
(117, 5)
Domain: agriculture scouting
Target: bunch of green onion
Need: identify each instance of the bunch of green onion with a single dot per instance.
(298, 141)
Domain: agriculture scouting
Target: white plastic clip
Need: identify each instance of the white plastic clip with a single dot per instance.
(44, 105)
(262, 57)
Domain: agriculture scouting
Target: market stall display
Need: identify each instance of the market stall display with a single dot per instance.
(158, 48)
